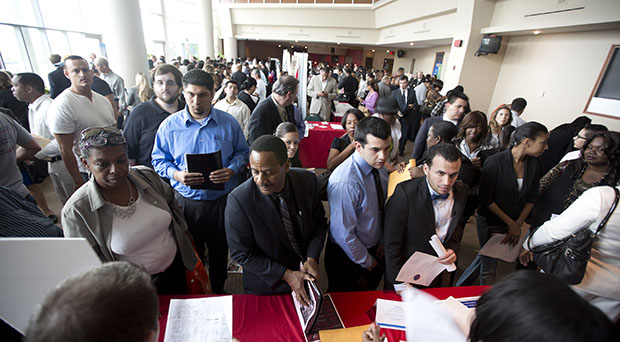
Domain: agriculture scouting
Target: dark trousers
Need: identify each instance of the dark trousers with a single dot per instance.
(345, 275)
(172, 281)
(410, 124)
(205, 220)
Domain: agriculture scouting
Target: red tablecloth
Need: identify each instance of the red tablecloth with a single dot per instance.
(314, 149)
(273, 318)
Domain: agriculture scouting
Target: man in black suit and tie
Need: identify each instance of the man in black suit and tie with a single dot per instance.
(408, 114)
(455, 110)
(275, 223)
(423, 207)
(57, 79)
(274, 109)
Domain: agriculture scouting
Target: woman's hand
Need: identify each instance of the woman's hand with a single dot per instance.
(514, 233)
(525, 256)
(372, 334)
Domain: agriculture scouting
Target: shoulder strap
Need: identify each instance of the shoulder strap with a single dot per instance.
(611, 210)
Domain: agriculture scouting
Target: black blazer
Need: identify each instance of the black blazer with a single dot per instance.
(498, 185)
(58, 82)
(257, 237)
(247, 99)
(266, 118)
(419, 145)
(410, 223)
(411, 99)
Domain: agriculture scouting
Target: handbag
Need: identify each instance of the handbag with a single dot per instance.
(197, 279)
(567, 258)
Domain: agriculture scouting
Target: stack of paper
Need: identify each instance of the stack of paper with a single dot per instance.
(200, 319)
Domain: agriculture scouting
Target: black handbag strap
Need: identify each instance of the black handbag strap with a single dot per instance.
(600, 226)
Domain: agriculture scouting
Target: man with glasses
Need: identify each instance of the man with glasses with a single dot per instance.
(141, 125)
(74, 110)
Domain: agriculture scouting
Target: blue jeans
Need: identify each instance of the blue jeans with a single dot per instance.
(482, 265)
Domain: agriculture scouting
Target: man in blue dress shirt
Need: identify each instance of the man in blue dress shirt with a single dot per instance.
(200, 128)
(356, 193)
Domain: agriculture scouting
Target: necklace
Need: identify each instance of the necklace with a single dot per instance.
(121, 211)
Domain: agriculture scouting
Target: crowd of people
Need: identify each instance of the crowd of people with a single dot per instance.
(118, 160)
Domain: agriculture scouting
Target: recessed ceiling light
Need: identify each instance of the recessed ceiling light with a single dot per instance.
(279, 45)
(536, 32)
(305, 47)
(411, 43)
(292, 47)
(388, 51)
(338, 43)
(373, 50)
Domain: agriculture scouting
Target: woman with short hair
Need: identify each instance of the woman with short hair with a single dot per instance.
(129, 214)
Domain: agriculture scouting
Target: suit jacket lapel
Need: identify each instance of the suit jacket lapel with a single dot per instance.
(267, 212)
(426, 203)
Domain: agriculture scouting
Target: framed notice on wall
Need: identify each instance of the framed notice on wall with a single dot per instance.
(605, 97)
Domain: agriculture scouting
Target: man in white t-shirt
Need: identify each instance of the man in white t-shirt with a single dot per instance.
(74, 110)
(516, 108)
(235, 107)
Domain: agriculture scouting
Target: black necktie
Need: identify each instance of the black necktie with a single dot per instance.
(288, 223)
(379, 188)
(439, 197)
(404, 102)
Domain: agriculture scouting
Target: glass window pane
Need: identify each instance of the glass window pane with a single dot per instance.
(58, 42)
(39, 52)
(78, 44)
(61, 14)
(13, 54)
(17, 12)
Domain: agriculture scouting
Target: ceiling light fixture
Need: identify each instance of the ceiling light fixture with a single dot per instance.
(536, 32)
(411, 44)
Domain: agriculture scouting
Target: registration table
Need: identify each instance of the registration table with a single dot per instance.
(314, 148)
(273, 318)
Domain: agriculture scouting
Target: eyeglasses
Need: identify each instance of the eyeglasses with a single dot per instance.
(166, 83)
(581, 137)
(93, 137)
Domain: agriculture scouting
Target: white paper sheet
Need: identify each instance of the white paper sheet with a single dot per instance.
(461, 315)
(426, 321)
(200, 320)
(507, 252)
(440, 250)
(390, 314)
(336, 126)
(421, 269)
(32, 267)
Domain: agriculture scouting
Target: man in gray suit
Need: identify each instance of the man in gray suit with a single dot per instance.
(323, 90)
(384, 87)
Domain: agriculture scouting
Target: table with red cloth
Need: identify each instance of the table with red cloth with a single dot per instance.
(273, 318)
(314, 149)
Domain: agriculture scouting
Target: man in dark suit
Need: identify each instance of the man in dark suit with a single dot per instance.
(408, 114)
(275, 223)
(349, 86)
(423, 207)
(275, 109)
(58, 81)
(455, 110)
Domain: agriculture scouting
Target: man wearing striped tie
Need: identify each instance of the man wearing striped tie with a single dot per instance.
(275, 223)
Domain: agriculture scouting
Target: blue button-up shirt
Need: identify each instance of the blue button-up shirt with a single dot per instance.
(355, 223)
(180, 134)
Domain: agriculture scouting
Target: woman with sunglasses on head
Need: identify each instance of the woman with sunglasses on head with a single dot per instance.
(128, 213)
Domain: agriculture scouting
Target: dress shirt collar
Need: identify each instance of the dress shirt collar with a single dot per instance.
(363, 165)
(188, 119)
(433, 192)
(37, 103)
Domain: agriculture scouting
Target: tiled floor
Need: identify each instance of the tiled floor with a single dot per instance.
(469, 244)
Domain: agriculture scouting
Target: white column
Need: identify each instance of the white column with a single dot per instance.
(205, 18)
(230, 48)
(124, 39)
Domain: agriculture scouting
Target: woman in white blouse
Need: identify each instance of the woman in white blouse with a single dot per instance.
(601, 283)
(129, 214)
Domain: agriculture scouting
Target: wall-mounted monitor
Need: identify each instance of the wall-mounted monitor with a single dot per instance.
(490, 44)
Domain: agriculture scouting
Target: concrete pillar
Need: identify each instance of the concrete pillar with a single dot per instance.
(478, 75)
(205, 18)
(230, 48)
(242, 49)
(124, 39)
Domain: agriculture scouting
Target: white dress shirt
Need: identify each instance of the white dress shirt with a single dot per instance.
(443, 213)
(239, 111)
